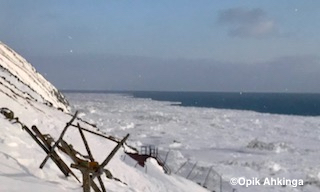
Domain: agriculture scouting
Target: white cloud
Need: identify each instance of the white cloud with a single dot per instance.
(248, 23)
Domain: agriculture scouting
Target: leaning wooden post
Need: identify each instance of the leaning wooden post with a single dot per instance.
(58, 141)
(181, 166)
(55, 160)
(86, 180)
(98, 134)
(113, 152)
(85, 142)
(207, 177)
(90, 155)
(94, 185)
(55, 157)
(194, 166)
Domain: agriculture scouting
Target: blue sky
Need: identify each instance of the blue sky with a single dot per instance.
(208, 45)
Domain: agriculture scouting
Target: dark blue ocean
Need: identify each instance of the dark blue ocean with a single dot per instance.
(276, 103)
(304, 104)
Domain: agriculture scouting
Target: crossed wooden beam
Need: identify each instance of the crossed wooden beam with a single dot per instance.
(90, 170)
(45, 145)
(41, 141)
(58, 141)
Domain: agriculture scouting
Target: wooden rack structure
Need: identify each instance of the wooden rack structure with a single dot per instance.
(89, 168)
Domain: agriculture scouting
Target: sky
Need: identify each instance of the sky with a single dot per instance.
(181, 45)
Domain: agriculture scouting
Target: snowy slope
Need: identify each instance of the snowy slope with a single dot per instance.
(25, 92)
(17, 75)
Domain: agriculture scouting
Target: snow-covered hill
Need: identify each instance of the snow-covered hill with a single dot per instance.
(22, 80)
(34, 101)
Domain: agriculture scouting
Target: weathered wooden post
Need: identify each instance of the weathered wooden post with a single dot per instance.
(55, 157)
(87, 181)
(89, 172)
(62, 168)
(58, 141)
(113, 152)
(99, 170)
(90, 155)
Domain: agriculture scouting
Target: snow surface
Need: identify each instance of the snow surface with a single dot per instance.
(25, 92)
(19, 75)
(234, 143)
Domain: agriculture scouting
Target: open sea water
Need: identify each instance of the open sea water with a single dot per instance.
(304, 104)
